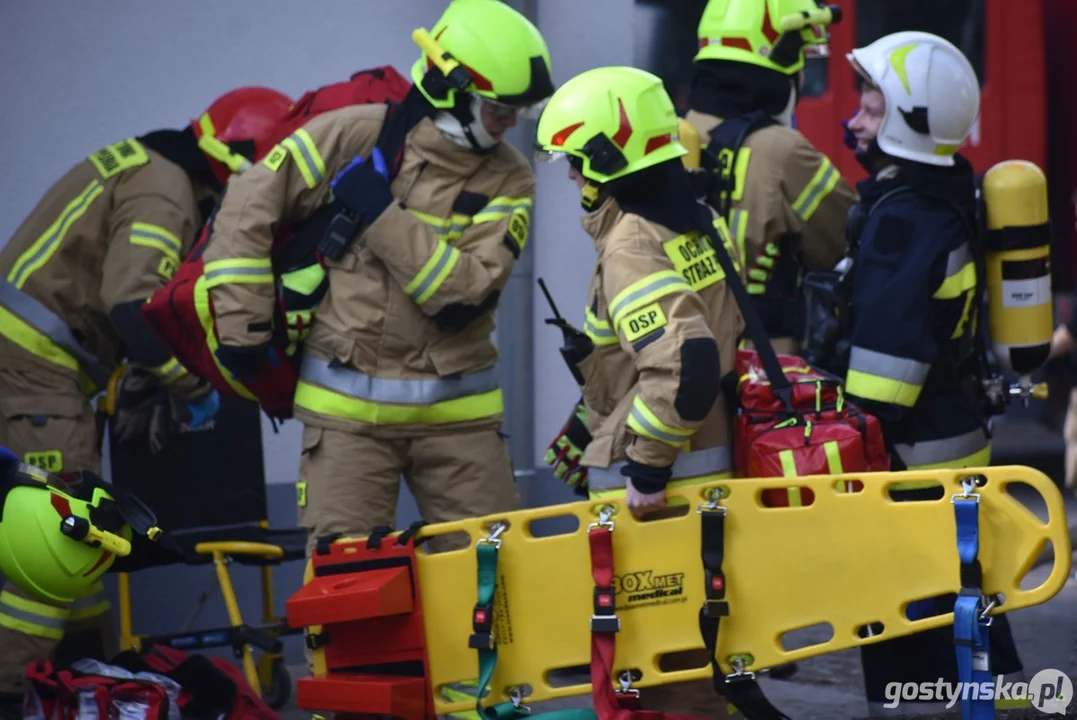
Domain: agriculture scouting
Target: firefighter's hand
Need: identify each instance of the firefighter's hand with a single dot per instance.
(138, 393)
(363, 187)
(1062, 343)
(645, 490)
(196, 413)
(640, 503)
(566, 450)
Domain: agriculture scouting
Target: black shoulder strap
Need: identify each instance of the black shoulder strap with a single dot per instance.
(720, 155)
(312, 231)
(779, 383)
(391, 137)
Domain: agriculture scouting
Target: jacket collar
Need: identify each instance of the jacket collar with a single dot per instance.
(951, 184)
(598, 223)
(431, 145)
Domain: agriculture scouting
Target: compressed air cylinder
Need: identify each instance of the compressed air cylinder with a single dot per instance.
(692, 142)
(1018, 250)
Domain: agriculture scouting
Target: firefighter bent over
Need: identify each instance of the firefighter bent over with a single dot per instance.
(72, 280)
(784, 201)
(915, 360)
(660, 318)
(398, 376)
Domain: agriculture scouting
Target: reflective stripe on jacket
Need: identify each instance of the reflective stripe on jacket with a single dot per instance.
(785, 190)
(390, 318)
(913, 311)
(111, 231)
(656, 303)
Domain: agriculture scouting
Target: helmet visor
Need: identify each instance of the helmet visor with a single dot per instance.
(32, 476)
(505, 111)
(542, 155)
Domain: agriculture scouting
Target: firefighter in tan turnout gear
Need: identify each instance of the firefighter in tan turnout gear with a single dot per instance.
(104, 237)
(784, 201)
(662, 322)
(398, 376)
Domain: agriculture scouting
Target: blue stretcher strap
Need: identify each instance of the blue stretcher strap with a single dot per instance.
(970, 632)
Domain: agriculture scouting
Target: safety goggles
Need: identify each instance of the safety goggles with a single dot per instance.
(504, 111)
(541, 155)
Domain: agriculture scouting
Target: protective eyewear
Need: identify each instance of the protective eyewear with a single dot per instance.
(504, 111)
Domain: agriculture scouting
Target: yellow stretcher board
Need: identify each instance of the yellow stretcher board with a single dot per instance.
(847, 559)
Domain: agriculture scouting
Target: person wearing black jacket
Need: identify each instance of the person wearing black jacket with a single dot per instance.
(913, 354)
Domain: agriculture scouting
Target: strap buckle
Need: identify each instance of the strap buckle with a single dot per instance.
(604, 515)
(605, 618)
(968, 484)
(739, 674)
(626, 689)
(715, 605)
(482, 620)
(516, 696)
(714, 495)
(495, 535)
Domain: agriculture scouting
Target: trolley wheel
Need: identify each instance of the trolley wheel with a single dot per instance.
(279, 691)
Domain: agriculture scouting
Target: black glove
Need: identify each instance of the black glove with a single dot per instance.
(142, 411)
(243, 362)
(363, 187)
(645, 478)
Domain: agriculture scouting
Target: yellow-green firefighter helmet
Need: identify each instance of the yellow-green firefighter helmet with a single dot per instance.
(775, 34)
(501, 50)
(57, 538)
(615, 120)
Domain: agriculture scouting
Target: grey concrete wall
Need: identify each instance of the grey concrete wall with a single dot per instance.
(564, 254)
(76, 76)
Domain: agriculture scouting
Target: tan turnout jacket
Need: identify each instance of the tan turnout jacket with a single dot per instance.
(377, 355)
(112, 230)
(785, 188)
(653, 291)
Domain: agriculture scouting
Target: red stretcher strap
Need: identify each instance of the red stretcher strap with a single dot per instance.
(611, 705)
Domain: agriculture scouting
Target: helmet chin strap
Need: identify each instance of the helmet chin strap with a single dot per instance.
(463, 126)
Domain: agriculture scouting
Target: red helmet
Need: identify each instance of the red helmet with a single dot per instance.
(248, 113)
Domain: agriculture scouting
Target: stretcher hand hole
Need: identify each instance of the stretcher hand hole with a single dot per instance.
(786, 497)
(928, 607)
(1028, 581)
(805, 637)
(673, 510)
(446, 543)
(553, 526)
(683, 660)
(926, 491)
(847, 487)
(1029, 498)
(569, 676)
(872, 629)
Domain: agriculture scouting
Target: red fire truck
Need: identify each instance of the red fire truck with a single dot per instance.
(1023, 52)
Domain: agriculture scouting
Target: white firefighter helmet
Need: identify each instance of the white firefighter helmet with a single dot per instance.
(931, 90)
